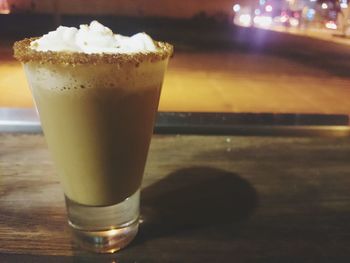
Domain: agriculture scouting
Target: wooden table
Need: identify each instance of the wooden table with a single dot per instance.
(204, 199)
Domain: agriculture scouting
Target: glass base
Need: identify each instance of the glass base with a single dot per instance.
(108, 241)
(105, 229)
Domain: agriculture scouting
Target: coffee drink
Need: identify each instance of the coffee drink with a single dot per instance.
(97, 95)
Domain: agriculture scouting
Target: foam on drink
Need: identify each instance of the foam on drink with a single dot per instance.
(93, 38)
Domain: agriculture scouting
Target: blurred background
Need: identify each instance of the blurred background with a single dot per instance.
(241, 56)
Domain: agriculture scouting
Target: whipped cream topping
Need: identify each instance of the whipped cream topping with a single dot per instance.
(92, 39)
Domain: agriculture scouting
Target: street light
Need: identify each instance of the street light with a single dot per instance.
(268, 8)
(236, 8)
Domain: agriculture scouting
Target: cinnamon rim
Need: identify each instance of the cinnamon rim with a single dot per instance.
(24, 53)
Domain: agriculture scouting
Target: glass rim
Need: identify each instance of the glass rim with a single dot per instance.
(25, 54)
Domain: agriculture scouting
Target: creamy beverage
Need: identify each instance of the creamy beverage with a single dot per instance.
(98, 120)
(97, 95)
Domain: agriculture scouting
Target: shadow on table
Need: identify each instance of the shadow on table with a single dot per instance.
(192, 199)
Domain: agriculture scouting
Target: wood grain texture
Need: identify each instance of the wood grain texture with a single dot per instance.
(204, 199)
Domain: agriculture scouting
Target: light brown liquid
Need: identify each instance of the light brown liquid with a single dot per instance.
(98, 136)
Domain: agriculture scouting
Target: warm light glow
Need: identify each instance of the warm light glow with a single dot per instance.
(268, 8)
(331, 25)
(344, 5)
(294, 22)
(324, 6)
(263, 21)
(284, 19)
(245, 20)
(4, 7)
(236, 8)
